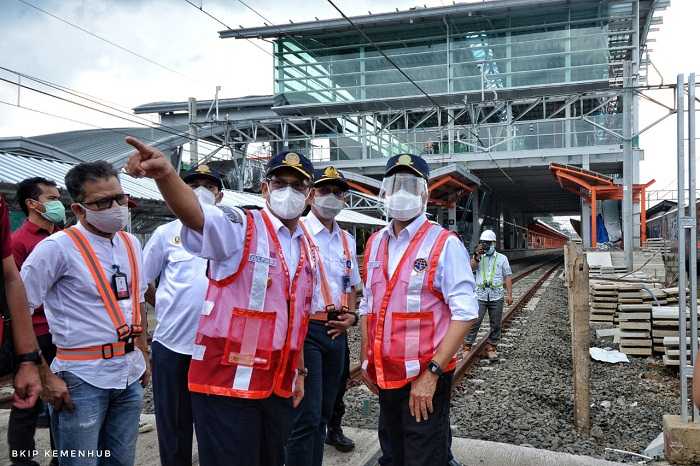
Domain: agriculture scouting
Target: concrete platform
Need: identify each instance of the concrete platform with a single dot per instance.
(468, 452)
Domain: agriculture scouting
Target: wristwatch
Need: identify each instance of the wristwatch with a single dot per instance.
(303, 372)
(34, 356)
(435, 368)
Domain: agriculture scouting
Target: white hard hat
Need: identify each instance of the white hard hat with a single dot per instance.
(488, 235)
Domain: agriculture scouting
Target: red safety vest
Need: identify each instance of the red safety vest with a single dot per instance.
(253, 322)
(125, 333)
(408, 318)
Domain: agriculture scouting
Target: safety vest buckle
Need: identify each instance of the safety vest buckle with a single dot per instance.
(123, 332)
(107, 354)
(330, 308)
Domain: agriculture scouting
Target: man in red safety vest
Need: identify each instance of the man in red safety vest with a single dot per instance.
(418, 304)
(247, 370)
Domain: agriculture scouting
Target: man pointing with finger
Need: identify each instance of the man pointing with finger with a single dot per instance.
(418, 304)
(247, 370)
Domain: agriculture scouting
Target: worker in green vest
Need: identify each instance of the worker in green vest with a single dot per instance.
(494, 285)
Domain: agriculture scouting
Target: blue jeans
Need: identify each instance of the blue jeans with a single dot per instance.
(173, 405)
(103, 428)
(324, 357)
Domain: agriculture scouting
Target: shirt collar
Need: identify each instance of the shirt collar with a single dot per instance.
(35, 229)
(410, 230)
(314, 225)
(278, 225)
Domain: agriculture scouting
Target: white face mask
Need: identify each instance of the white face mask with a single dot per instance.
(287, 203)
(110, 220)
(328, 206)
(403, 205)
(205, 196)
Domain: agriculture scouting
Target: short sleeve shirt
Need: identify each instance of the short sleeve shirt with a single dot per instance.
(502, 270)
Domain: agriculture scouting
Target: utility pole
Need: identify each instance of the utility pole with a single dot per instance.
(628, 165)
(192, 110)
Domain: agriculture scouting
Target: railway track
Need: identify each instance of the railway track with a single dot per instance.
(522, 294)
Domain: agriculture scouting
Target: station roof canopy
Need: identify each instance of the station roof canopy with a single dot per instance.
(416, 15)
(592, 185)
(448, 183)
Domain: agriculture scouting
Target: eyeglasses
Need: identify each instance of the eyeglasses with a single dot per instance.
(106, 202)
(326, 190)
(276, 183)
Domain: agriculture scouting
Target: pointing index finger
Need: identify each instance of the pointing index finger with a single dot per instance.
(139, 145)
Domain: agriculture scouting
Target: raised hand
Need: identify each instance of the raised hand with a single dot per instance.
(147, 161)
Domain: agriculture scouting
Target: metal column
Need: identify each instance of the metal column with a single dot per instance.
(628, 167)
(192, 109)
(692, 213)
(476, 229)
(680, 97)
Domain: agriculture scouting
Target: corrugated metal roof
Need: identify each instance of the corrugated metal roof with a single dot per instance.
(224, 104)
(15, 168)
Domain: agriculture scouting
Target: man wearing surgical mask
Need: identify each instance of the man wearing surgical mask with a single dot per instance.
(247, 371)
(417, 305)
(40, 201)
(89, 280)
(333, 306)
(182, 286)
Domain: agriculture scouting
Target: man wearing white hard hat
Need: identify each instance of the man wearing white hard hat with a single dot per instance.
(494, 284)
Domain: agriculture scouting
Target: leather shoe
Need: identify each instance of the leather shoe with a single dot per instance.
(337, 439)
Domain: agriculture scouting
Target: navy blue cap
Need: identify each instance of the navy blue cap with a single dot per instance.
(330, 175)
(203, 171)
(290, 159)
(409, 161)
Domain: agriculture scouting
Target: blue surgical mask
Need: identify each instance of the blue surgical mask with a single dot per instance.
(491, 250)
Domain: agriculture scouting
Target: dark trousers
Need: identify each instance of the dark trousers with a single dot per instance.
(323, 357)
(22, 424)
(414, 443)
(173, 405)
(336, 420)
(241, 432)
(495, 310)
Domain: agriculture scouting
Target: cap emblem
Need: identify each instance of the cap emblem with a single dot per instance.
(292, 159)
(404, 159)
(331, 172)
(204, 169)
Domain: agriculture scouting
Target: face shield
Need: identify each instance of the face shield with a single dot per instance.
(405, 196)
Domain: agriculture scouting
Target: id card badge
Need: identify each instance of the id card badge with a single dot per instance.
(346, 283)
(120, 286)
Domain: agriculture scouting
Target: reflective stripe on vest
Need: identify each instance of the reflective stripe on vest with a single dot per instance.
(89, 353)
(256, 300)
(489, 283)
(103, 285)
(136, 327)
(413, 304)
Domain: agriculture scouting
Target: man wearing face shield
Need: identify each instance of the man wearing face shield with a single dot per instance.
(333, 309)
(89, 280)
(418, 304)
(247, 370)
(182, 286)
(494, 284)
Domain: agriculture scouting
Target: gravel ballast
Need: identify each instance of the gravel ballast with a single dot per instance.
(526, 398)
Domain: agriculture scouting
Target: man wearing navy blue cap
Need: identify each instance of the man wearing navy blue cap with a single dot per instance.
(333, 308)
(417, 306)
(182, 285)
(247, 371)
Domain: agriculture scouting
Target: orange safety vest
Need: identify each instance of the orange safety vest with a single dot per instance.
(323, 276)
(125, 334)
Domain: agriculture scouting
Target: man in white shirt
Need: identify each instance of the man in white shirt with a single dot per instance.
(88, 278)
(417, 305)
(333, 308)
(182, 285)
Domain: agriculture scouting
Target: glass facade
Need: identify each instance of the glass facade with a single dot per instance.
(462, 54)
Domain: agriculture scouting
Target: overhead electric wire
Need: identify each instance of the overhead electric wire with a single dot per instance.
(200, 8)
(103, 39)
(158, 127)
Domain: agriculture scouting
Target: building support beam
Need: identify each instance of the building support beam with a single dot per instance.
(628, 167)
(476, 230)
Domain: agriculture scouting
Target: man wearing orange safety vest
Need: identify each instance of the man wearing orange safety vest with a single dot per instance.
(89, 279)
(247, 370)
(333, 305)
(418, 304)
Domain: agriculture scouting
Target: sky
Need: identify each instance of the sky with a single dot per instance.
(192, 60)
